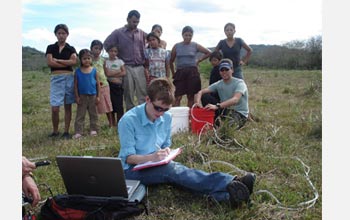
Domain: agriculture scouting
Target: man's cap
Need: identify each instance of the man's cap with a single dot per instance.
(225, 65)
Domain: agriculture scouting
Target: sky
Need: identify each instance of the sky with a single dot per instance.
(257, 22)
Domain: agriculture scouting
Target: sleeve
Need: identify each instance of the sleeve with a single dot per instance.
(48, 50)
(73, 50)
(126, 137)
(121, 62)
(219, 45)
(241, 42)
(213, 87)
(111, 39)
(241, 88)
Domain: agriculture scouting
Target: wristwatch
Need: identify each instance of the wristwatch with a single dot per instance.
(218, 105)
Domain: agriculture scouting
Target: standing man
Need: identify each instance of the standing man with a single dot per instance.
(131, 43)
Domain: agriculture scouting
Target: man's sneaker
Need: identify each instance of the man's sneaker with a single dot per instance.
(238, 192)
(248, 180)
(53, 134)
(93, 133)
(65, 135)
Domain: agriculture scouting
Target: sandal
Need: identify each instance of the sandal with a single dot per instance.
(77, 136)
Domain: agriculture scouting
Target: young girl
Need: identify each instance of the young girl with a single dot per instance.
(61, 57)
(158, 30)
(115, 71)
(87, 90)
(105, 104)
(186, 78)
(156, 59)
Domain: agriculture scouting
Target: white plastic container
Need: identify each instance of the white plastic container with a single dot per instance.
(180, 119)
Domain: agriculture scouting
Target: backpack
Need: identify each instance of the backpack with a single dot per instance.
(79, 207)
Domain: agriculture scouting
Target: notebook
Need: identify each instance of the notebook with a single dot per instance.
(148, 164)
(99, 177)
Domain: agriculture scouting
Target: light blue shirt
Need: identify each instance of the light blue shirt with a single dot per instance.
(140, 136)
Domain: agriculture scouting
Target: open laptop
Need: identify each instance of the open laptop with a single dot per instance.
(98, 177)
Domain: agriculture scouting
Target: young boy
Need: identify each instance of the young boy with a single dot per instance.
(145, 135)
(233, 95)
(212, 97)
(156, 59)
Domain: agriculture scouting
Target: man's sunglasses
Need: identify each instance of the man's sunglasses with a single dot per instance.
(158, 108)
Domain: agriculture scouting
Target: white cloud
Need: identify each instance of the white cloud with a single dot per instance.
(257, 22)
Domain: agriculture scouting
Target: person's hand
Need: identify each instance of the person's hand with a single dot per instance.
(97, 100)
(27, 166)
(210, 107)
(241, 63)
(77, 99)
(161, 154)
(30, 189)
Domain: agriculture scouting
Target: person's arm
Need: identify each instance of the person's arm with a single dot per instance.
(146, 69)
(218, 47)
(97, 88)
(112, 72)
(172, 60)
(27, 166)
(167, 68)
(70, 62)
(76, 93)
(198, 96)
(111, 39)
(52, 62)
(122, 71)
(30, 189)
(204, 50)
(232, 101)
(156, 156)
(249, 52)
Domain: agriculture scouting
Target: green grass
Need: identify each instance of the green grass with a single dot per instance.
(286, 107)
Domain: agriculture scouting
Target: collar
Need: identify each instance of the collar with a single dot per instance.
(126, 29)
(144, 118)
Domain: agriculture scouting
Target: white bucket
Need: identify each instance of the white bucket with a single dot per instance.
(180, 119)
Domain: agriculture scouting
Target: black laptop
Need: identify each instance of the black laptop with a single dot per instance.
(98, 177)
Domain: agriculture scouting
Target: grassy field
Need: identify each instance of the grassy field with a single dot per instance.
(285, 134)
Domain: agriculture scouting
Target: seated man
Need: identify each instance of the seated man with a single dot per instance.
(145, 135)
(233, 94)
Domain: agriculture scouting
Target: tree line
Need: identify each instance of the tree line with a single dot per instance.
(297, 54)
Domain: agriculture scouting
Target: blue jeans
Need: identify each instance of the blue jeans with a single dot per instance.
(196, 181)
